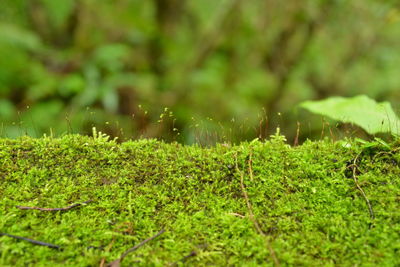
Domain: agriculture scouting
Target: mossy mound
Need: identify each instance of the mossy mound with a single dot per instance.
(258, 203)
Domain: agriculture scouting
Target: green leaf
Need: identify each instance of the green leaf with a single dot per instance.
(360, 110)
(72, 84)
(58, 11)
(111, 56)
(21, 38)
(7, 109)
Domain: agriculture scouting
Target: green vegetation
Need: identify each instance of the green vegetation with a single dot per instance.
(209, 73)
(247, 205)
(70, 65)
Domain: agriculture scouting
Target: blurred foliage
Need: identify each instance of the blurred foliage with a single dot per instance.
(214, 70)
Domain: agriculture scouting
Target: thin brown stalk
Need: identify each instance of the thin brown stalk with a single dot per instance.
(331, 133)
(323, 129)
(53, 209)
(251, 214)
(296, 139)
(36, 242)
(118, 261)
(237, 215)
(108, 249)
(355, 179)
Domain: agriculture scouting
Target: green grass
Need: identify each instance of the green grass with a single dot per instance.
(304, 199)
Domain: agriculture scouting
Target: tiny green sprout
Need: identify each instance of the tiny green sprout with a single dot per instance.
(98, 135)
(277, 137)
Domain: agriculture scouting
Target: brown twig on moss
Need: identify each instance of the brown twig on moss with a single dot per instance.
(36, 242)
(53, 209)
(251, 214)
(355, 179)
(117, 262)
(193, 253)
(237, 215)
(108, 249)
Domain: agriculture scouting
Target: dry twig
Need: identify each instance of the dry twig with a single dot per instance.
(108, 249)
(355, 179)
(117, 262)
(191, 254)
(54, 209)
(36, 242)
(237, 215)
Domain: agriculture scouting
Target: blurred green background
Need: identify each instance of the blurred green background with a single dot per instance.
(188, 70)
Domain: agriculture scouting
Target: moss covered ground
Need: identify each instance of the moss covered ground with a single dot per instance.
(323, 203)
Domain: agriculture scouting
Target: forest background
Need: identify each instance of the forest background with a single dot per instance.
(187, 70)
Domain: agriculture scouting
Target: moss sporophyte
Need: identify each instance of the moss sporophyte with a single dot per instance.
(156, 204)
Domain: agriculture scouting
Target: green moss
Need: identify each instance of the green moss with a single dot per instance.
(303, 198)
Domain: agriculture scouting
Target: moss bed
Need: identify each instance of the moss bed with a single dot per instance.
(253, 204)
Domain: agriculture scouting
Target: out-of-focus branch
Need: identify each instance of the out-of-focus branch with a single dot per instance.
(359, 48)
(71, 25)
(210, 39)
(207, 42)
(41, 23)
(281, 65)
(39, 19)
(168, 15)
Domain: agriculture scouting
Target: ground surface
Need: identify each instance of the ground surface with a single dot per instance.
(255, 204)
